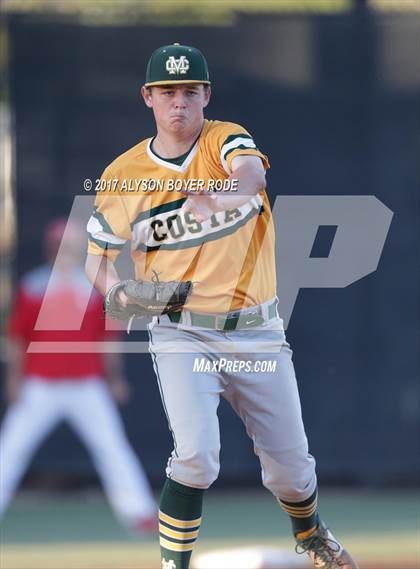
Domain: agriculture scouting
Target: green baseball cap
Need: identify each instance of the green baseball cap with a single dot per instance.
(176, 64)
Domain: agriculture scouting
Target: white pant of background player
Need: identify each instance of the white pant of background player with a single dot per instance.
(266, 401)
(89, 409)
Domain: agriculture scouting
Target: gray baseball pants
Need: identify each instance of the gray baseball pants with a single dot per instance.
(195, 366)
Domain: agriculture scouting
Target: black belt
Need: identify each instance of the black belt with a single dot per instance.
(248, 318)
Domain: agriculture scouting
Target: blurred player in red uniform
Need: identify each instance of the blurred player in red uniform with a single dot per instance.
(43, 389)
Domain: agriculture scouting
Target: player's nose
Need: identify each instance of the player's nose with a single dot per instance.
(180, 99)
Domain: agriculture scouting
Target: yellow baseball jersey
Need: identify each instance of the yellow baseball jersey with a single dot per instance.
(229, 257)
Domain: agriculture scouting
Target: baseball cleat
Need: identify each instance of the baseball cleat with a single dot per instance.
(324, 550)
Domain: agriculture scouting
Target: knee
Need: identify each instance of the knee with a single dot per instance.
(291, 480)
(205, 466)
(199, 468)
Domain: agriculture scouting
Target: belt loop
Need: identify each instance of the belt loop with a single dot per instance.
(264, 311)
(276, 306)
(220, 321)
(186, 318)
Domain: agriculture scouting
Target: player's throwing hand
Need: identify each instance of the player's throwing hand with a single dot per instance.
(201, 204)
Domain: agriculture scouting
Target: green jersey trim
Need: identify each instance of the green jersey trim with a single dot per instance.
(242, 147)
(166, 164)
(159, 209)
(105, 245)
(101, 233)
(234, 136)
(179, 160)
(242, 141)
(99, 216)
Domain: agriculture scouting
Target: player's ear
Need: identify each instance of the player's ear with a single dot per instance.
(146, 93)
(207, 93)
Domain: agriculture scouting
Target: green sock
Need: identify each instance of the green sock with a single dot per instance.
(179, 522)
(303, 515)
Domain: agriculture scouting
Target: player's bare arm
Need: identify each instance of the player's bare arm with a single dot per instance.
(103, 275)
(250, 175)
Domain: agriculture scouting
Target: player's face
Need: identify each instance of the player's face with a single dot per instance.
(178, 108)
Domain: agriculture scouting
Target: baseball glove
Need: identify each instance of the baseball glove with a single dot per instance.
(147, 298)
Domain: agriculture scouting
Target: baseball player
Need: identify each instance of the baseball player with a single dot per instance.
(220, 244)
(45, 388)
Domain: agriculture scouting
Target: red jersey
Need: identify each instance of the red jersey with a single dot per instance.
(67, 296)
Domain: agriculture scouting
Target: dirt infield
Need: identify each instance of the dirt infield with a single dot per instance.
(393, 551)
(371, 565)
(378, 565)
(76, 557)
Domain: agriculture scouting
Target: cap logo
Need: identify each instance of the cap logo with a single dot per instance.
(177, 66)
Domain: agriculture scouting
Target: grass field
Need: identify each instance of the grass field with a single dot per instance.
(79, 531)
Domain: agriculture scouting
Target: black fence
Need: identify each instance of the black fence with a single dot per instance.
(334, 101)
